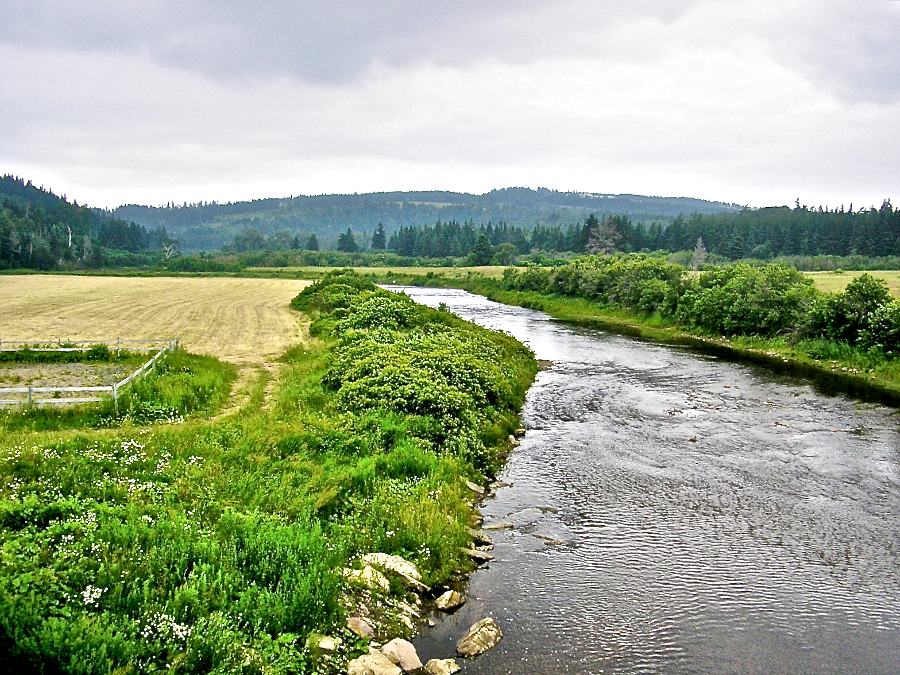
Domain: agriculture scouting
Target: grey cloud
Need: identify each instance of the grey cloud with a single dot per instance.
(853, 49)
(324, 41)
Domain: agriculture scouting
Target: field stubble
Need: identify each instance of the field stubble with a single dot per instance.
(237, 320)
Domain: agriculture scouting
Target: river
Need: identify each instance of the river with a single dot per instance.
(676, 513)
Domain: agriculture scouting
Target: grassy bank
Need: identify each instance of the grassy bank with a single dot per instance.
(836, 366)
(218, 545)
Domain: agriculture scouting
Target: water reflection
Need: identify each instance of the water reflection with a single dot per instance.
(675, 513)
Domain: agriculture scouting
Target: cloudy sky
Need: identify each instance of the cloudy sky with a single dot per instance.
(757, 102)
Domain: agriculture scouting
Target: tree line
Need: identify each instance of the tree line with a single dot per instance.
(764, 234)
(40, 230)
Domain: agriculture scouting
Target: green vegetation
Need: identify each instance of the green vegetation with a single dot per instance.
(41, 231)
(182, 385)
(772, 311)
(217, 545)
(98, 352)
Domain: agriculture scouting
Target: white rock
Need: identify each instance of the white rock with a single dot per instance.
(402, 653)
(482, 636)
(474, 487)
(449, 600)
(442, 667)
(361, 627)
(373, 663)
(368, 577)
(407, 572)
(393, 563)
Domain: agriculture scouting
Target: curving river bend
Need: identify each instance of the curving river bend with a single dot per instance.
(678, 514)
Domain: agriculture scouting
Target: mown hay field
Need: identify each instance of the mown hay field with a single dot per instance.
(836, 283)
(236, 320)
(491, 271)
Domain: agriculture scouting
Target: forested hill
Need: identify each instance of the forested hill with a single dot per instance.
(210, 226)
(40, 230)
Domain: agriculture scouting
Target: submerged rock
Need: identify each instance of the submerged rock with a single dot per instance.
(474, 487)
(402, 653)
(502, 525)
(480, 538)
(442, 667)
(480, 557)
(481, 637)
(449, 601)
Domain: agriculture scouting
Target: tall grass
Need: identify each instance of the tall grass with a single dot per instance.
(218, 546)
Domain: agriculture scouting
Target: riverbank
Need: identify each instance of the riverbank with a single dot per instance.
(838, 367)
(676, 512)
(224, 542)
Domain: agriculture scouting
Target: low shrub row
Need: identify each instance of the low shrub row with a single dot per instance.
(730, 300)
(93, 353)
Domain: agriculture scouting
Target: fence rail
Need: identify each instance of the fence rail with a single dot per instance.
(113, 389)
(47, 345)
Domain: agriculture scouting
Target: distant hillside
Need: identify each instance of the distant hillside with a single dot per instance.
(40, 230)
(210, 226)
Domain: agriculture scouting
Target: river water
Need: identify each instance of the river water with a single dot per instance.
(675, 513)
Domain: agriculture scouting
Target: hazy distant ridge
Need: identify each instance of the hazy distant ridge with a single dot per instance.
(208, 226)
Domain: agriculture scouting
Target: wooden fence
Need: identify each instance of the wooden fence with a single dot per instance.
(112, 390)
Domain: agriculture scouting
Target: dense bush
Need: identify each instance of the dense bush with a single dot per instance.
(640, 282)
(393, 355)
(95, 353)
(736, 299)
(846, 315)
(882, 330)
(739, 299)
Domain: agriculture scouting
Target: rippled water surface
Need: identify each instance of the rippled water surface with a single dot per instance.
(676, 513)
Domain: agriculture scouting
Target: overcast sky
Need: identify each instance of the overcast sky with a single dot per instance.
(757, 102)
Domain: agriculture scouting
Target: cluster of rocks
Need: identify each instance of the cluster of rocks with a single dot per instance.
(399, 656)
(374, 581)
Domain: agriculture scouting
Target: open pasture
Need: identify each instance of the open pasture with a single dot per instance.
(236, 320)
(836, 283)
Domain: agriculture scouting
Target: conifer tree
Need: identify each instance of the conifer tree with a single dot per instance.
(379, 238)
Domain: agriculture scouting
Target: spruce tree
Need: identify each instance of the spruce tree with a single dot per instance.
(347, 242)
(379, 239)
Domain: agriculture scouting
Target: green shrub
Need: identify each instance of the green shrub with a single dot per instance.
(882, 330)
(846, 315)
(739, 299)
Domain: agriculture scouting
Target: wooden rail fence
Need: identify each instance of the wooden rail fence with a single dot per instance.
(113, 389)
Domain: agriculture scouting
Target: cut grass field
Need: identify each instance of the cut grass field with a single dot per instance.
(490, 271)
(836, 283)
(236, 320)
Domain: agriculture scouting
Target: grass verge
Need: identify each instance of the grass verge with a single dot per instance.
(835, 366)
(219, 546)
